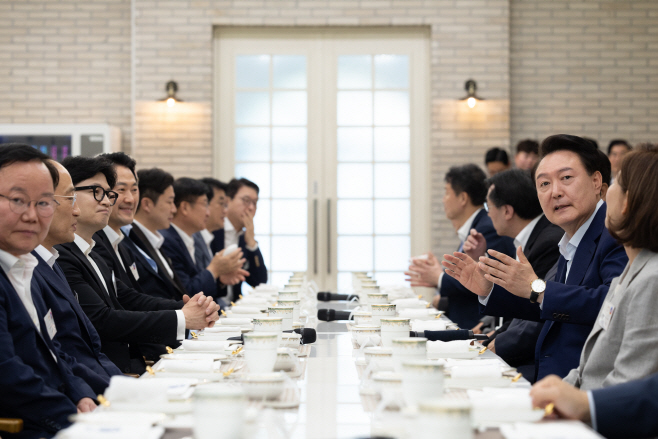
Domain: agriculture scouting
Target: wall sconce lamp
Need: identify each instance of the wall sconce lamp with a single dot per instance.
(171, 98)
(471, 93)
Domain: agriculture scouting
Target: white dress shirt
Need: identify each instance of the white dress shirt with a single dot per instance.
(115, 238)
(187, 240)
(86, 249)
(462, 233)
(568, 246)
(19, 270)
(156, 240)
(49, 256)
(208, 237)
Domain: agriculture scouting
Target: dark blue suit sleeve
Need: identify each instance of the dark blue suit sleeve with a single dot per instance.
(193, 281)
(517, 344)
(628, 410)
(256, 265)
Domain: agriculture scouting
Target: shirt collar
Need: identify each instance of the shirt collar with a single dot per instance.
(187, 239)
(9, 261)
(83, 245)
(47, 255)
(465, 229)
(230, 228)
(568, 246)
(155, 239)
(114, 237)
(207, 236)
(523, 236)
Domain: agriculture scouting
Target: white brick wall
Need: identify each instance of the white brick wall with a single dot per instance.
(584, 67)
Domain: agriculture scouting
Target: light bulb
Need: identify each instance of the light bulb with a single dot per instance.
(171, 102)
(471, 102)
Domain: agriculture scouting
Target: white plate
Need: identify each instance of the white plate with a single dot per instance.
(187, 355)
(109, 417)
(476, 383)
(168, 408)
(494, 418)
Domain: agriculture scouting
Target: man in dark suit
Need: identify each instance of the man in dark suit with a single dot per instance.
(36, 386)
(242, 197)
(122, 316)
(515, 211)
(620, 411)
(569, 182)
(191, 202)
(75, 333)
(465, 193)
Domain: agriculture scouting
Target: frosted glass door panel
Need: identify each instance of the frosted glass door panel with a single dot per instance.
(252, 71)
(391, 71)
(288, 253)
(354, 181)
(289, 71)
(289, 217)
(252, 144)
(392, 144)
(354, 144)
(354, 217)
(289, 144)
(252, 108)
(354, 108)
(354, 71)
(259, 173)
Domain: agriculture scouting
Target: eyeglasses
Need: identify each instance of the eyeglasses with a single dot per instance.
(100, 193)
(73, 198)
(486, 207)
(19, 204)
(249, 202)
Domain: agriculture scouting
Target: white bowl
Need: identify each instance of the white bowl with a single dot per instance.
(263, 385)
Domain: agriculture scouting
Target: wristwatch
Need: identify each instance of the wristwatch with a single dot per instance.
(538, 287)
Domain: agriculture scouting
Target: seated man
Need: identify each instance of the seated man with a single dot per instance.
(621, 411)
(239, 230)
(75, 333)
(465, 193)
(527, 154)
(36, 386)
(191, 202)
(569, 184)
(617, 149)
(496, 160)
(122, 316)
(515, 211)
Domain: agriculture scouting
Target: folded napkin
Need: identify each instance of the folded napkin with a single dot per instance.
(187, 366)
(414, 313)
(449, 347)
(217, 336)
(487, 371)
(409, 303)
(397, 292)
(233, 321)
(451, 362)
(548, 430)
(240, 309)
(500, 399)
(428, 325)
(111, 431)
(221, 328)
(204, 346)
(126, 389)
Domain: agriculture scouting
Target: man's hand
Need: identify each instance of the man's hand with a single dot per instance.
(436, 300)
(86, 405)
(234, 278)
(200, 311)
(570, 403)
(222, 265)
(424, 272)
(492, 345)
(475, 245)
(466, 271)
(515, 276)
(249, 234)
(477, 329)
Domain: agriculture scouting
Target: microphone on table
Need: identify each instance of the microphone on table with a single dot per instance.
(325, 296)
(308, 335)
(328, 315)
(448, 335)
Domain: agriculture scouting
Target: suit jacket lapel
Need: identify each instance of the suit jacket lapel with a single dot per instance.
(586, 249)
(536, 231)
(100, 289)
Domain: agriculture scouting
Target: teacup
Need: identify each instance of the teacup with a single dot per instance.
(380, 310)
(290, 340)
(451, 417)
(260, 350)
(366, 335)
(284, 312)
(408, 348)
(380, 357)
(388, 385)
(362, 317)
(394, 327)
(297, 325)
(295, 303)
(264, 385)
(288, 295)
(269, 324)
(210, 399)
(421, 379)
(377, 297)
(285, 359)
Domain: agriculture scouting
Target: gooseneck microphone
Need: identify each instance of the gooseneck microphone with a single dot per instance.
(324, 296)
(329, 315)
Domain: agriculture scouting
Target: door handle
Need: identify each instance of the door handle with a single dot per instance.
(328, 235)
(315, 236)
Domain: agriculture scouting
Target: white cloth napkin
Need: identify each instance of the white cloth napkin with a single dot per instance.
(240, 309)
(221, 328)
(453, 347)
(548, 430)
(217, 336)
(413, 313)
(111, 431)
(409, 303)
(397, 292)
(428, 325)
(487, 371)
(126, 389)
(233, 321)
(495, 398)
(186, 366)
(204, 346)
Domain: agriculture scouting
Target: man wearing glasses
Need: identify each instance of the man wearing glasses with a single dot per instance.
(36, 385)
(242, 197)
(122, 316)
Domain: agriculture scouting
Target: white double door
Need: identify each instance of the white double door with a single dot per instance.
(333, 127)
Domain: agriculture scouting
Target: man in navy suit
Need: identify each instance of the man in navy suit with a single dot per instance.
(37, 386)
(515, 211)
(465, 193)
(242, 197)
(624, 410)
(191, 202)
(569, 184)
(75, 333)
